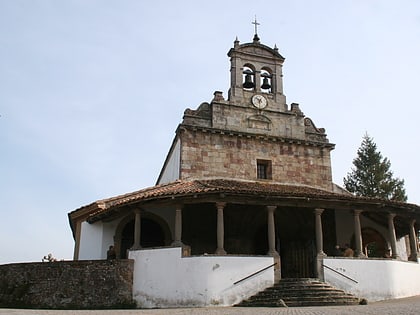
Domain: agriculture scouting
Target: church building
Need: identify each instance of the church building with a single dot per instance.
(244, 199)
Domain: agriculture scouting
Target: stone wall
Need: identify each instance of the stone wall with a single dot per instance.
(211, 154)
(90, 284)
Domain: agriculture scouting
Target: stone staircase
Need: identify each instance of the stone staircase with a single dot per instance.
(300, 292)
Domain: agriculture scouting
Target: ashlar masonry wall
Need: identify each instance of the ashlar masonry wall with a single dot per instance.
(215, 154)
(89, 284)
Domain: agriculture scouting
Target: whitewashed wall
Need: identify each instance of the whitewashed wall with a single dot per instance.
(378, 279)
(95, 239)
(162, 278)
(171, 169)
(90, 241)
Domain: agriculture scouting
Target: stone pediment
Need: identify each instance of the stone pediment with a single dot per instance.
(257, 49)
(259, 122)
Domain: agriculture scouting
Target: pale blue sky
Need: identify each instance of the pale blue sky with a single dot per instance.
(91, 93)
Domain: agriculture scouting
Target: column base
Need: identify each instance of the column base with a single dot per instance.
(359, 255)
(277, 269)
(220, 251)
(273, 253)
(319, 269)
(413, 257)
(177, 244)
(321, 254)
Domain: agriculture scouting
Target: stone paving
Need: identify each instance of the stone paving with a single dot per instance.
(407, 306)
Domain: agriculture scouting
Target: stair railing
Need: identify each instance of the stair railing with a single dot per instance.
(341, 274)
(253, 274)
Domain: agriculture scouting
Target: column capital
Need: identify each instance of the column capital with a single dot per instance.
(412, 222)
(391, 215)
(179, 206)
(318, 211)
(357, 212)
(220, 205)
(271, 208)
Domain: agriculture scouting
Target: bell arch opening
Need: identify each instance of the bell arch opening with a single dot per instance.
(248, 77)
(266, 80)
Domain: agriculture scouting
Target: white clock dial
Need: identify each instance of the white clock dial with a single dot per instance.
(259, 101)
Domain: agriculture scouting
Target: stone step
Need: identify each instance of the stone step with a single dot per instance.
(283, 295)
(300, 292)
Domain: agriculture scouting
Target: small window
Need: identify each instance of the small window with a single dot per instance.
(263, 169)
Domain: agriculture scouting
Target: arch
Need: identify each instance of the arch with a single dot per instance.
(155, 232)
(374, 244)
(266, 80)
(248, 77)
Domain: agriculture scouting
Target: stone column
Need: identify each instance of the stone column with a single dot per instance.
(178, 227)
(137, 230)
(319, 233)
(271, 231)
(319, 244)
(392, 236)
(358, 242)
(220, 229)
(413, 241)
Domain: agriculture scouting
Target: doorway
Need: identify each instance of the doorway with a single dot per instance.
(295, 231)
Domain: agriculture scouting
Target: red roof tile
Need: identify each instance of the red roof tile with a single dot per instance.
(199, 187)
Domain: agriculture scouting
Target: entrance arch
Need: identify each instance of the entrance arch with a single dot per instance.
(374, 244)
(154, 233)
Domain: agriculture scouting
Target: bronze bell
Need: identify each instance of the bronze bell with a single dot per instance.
(266, 84)
(248, 84)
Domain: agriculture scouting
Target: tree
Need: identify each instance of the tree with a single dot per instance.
(371, 175)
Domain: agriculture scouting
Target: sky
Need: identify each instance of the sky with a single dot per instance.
(91, 93)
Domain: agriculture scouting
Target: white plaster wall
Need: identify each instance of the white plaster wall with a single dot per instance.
(163, 278)
(378, 279)
(96, 238)
(171, 170)
(91, 241)
(108, 234)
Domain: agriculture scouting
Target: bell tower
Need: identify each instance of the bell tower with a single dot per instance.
(253, 134)
(256, 69)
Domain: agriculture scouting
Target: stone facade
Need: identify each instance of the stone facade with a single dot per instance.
(209, 154)
(89, 284)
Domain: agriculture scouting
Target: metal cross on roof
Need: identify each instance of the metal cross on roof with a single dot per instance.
(256, 25)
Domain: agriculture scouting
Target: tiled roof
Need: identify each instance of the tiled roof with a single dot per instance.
(204, 187)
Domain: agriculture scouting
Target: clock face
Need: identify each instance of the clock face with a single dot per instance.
(259, 101)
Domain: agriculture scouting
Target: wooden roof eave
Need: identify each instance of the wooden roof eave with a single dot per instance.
(328, 202)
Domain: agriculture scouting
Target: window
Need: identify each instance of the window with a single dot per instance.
(263, 169)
